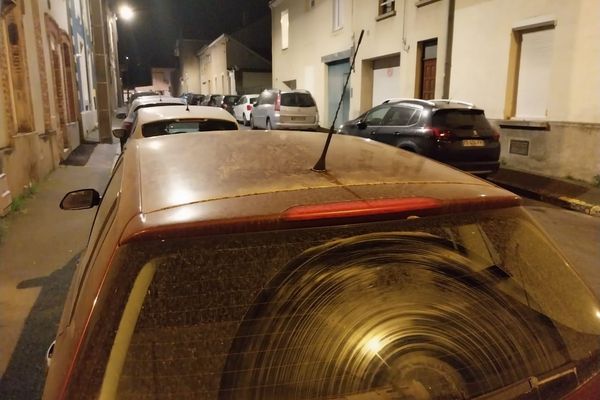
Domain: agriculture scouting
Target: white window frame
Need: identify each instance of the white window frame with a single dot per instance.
(385, 3)
(338, 18)
(285, 29)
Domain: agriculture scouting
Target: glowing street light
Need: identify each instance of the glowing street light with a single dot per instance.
(126, 12)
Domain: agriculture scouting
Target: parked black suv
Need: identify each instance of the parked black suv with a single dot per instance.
(453, 132)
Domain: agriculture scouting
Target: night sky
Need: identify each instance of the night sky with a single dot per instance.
(149, 39)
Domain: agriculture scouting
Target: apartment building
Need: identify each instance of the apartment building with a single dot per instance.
(533, 66)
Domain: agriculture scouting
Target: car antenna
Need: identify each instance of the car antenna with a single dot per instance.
(320, 165)
(187, 105)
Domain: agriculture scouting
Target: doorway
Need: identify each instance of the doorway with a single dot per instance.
(337, 72)
(426, 68)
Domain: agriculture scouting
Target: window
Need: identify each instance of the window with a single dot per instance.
(529, 69)
(376, 116)
(267, 97)
(337, 15)
(402, 116)
(386, 6)
(297, 100)
(286, 315)
(162, 128)
(285, 26)
(534, 74)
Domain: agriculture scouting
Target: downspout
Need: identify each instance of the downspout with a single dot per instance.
(449, 39)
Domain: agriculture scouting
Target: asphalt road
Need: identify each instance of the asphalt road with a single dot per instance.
(577, 235)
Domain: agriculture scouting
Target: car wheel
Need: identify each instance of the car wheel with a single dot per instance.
(244, 120)
(269, 127)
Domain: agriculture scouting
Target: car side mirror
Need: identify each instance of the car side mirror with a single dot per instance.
(121, 115)
(361, 124)
(80, 199)
(119, 133)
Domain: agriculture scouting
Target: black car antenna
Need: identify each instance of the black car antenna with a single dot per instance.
(320, 165)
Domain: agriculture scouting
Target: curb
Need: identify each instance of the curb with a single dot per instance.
(565, 202)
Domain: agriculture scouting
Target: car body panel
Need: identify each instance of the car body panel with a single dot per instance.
(168, 191)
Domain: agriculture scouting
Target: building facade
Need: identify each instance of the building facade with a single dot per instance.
(189, 66)
(226, 66)
(81, 37)
(533, 67)
(47, 88)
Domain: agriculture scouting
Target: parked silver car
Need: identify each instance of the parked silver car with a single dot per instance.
(285, 110)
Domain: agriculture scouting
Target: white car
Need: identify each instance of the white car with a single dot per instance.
(146, 102)
(243, 108)
(170, 120)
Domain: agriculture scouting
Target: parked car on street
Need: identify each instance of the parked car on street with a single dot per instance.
(453, 132)
(221, 266)
(228, 102)
(137, 95)
(148, 102)
(275, 109)
(243, 108)
(193, 99)
(170, 120)
(213, 100)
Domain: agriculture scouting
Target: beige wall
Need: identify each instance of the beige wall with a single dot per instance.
(311, 37)
(213, 65)
(189, 66)
(480, 62)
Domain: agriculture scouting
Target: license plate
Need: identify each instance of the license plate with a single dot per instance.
(473, 143)
(297, 118)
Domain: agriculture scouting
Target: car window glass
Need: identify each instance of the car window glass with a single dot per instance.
(297, 100)
(253, 99)
(375, 117)
(267, 315)
(461, 119)
(161, 128)
(399, 116)
(242, 100)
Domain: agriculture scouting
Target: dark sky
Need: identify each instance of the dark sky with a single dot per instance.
(149, 39)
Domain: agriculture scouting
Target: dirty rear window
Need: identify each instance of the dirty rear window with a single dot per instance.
(171, 127)
(297, 100)
(461, 119)
(447, 307)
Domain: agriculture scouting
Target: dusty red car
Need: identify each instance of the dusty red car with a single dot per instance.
(220, 266)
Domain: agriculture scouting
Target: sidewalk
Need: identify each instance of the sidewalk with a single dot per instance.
(38, 255)
(564, 193)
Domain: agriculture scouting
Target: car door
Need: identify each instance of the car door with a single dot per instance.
(398, 126)
(238, 109)
(373, 121)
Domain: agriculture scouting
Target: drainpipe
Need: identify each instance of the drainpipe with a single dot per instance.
(449, 39)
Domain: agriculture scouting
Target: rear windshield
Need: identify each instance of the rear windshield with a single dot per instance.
(449, 307)
(172, 127)
(297, 100)
(461, 119)
(161, 104)
(230, 99)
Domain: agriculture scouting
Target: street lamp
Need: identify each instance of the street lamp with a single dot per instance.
(126, 12)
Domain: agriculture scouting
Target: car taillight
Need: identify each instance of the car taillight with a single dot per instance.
(127, 126)
(249, 107)
(441, 134)
(404, 206)
(278, 102)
